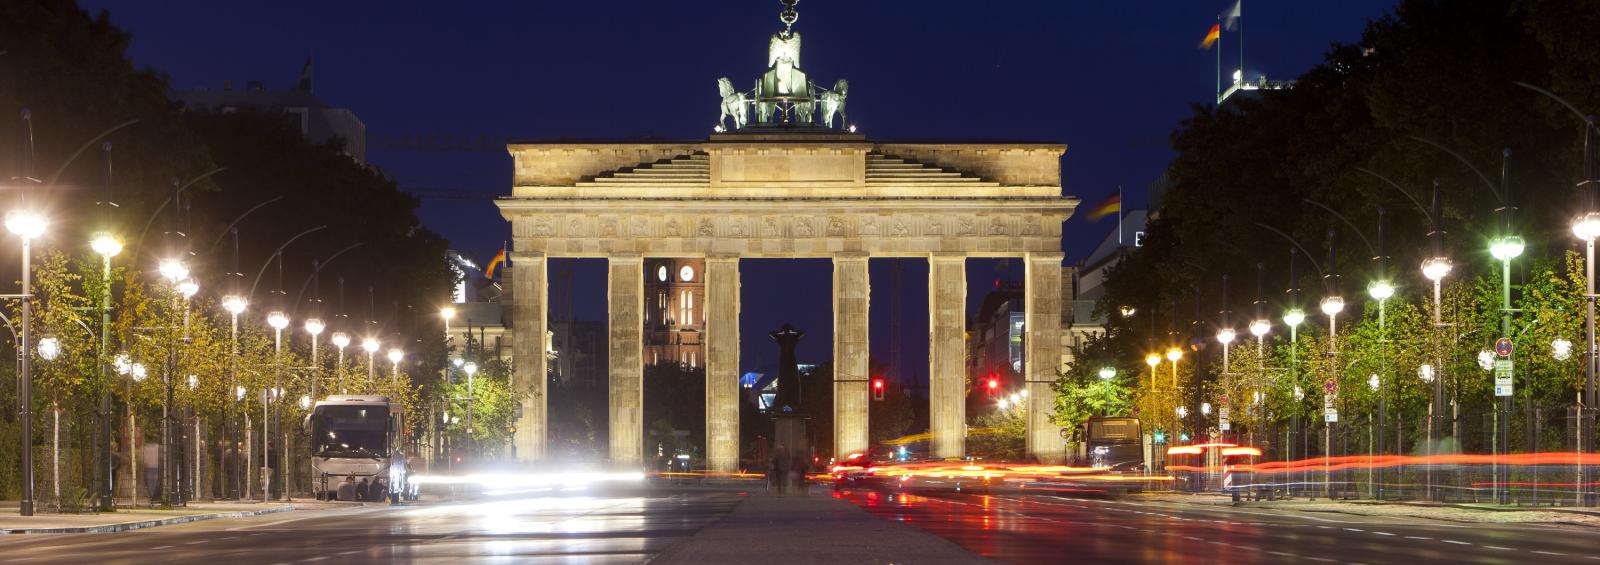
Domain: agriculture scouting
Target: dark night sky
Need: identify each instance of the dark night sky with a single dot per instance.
(1110, 79)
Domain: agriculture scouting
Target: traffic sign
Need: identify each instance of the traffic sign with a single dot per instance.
(1503, 347)
(1328, 386)
(1502, 377)
(1330, 415)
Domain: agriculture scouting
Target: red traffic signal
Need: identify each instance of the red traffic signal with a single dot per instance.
(877, 389)
(994, 385)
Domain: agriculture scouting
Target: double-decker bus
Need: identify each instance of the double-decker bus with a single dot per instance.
(356, 436)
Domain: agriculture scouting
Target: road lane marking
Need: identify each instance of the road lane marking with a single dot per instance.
(1383, 533)
(1499, 548)
(317, 558)
(1192, 538)
(1417, 537)
(1355, 529)
(195, 542)
(1549, 553)
(1280, 553)
(1323, 559)
(1455, 542)
(161, 547)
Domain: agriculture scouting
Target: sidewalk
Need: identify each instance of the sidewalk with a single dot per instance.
(1470, 513)
(812, 529)
(134, 519)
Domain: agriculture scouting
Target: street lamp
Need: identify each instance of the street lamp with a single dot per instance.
(173, 270)
(470, 369)
(395, 355)
(29, 226)
(340, 340)
(371, 345)
(314, 326)
(1173, 355)
(234, 305)
(188, 288)
(1561, 349)
(1107, 373)
(49, 348)
(1225, 336)
(1435, 269)
(107, 246)
(1425, 372)
(1293, 317)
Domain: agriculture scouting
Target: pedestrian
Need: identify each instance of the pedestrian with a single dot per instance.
(362, 489)
(780, 469)
(797, 473)
(378, 491)
(347, 489)
(150, 459)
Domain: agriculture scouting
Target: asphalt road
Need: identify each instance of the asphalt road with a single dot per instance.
(1046, 529)
(590, 529)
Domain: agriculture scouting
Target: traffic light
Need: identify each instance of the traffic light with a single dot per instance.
(994, 386)
(877, 388)
(1159, 438)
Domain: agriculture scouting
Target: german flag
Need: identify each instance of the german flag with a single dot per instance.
(1212, 36)
(1109, 206)
(499, 259)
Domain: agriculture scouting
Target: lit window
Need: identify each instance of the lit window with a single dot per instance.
(693, 358)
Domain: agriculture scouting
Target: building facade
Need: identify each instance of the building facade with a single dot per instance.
(674, 311)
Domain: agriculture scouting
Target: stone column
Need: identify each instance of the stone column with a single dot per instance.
(850, 396)
(625, 302)
(722, 363)
(528, 297)
(1042, 358)
(947, 367)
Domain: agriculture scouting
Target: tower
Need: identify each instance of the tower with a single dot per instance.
(674, 312)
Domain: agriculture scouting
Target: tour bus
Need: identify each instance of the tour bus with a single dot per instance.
(356, 436)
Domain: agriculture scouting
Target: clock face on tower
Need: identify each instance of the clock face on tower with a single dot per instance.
(687, 273)
(661, 273)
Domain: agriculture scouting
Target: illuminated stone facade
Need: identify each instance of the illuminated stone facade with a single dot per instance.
(785, 194)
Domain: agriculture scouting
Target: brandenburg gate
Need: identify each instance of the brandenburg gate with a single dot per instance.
(780, 185)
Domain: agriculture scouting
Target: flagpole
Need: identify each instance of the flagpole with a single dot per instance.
(1218, 46)
(1119, 215)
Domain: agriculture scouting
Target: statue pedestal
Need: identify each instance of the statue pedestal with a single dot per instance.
(789, 431)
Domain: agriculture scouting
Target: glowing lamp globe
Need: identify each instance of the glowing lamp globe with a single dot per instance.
(188, 288)
(395, 355)
(1226, 336)
(1587, 226)
(1436, 268)
(1174, 354)
(314, 326)
(1332, 305)
(1152, 360)
(234, 304)
(1381, 290)
(370, 344)
(26, 224)
(1294, 317)
(1106, 373)
(106, 245)
(1259, 328)
(278, 320)
(340, 340)
(173, 270)
(49, 348)
(1507, 248)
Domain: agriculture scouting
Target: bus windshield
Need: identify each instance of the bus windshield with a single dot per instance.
(350, 431)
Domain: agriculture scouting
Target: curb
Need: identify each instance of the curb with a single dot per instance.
(130, 526)
(1570, 511)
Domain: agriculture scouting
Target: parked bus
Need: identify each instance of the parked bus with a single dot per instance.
(356, 436)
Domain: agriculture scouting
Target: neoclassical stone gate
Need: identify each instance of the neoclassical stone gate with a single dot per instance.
(776, 194)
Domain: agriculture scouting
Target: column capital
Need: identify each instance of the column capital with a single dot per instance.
(852, 256)
(722, 258)
(1056, 256)
(625, 258)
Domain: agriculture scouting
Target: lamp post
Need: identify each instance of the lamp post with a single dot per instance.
(107, 246)
(27, 225)
(234, 305)
(470, 369)
(49, 349)
(1331, 306)
(1505, 249)
(1435, 269)
(187, 288)
(1174, 354)
(395, 355)
(1293, 318)
(1587, 228)
(340, 340)
(314, 326)
(371, 344)
(176, 272)
(1381, 291)
(278, 320)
